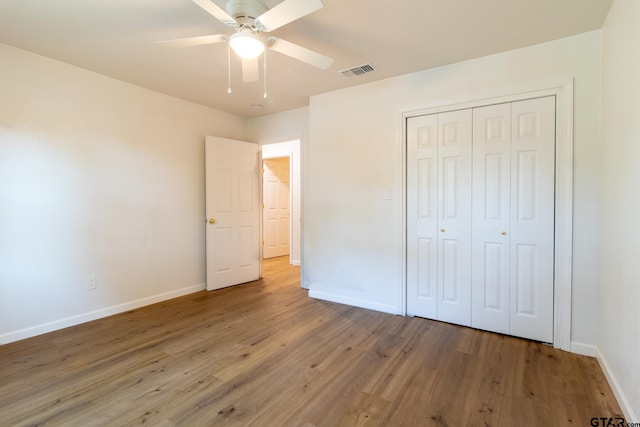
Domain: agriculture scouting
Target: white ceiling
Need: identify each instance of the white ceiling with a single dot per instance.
(116, 38)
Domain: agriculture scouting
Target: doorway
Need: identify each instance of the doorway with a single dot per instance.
(281, 198)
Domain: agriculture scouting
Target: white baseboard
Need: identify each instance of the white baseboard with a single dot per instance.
(357, 302)
(624, 403)
(55, 325)
(295, 262)
(584, 349)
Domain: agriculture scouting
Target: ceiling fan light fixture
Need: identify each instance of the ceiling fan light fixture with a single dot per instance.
(246, 44)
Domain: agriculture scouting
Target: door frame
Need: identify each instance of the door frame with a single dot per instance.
(563, 221)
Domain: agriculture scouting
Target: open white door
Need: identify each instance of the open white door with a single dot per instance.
(232, 209)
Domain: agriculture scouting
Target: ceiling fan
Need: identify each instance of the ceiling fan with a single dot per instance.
(251, 19)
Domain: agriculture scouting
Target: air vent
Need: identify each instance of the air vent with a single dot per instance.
(357, 71)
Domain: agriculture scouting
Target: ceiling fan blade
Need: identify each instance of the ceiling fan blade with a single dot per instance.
(285, 12)
(250, 70)
(300, 53)
(195, 41)
(216, 11)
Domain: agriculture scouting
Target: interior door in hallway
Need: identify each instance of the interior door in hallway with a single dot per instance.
(275, 214)
(233, 212)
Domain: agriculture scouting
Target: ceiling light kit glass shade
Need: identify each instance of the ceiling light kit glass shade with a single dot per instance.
(246, 44)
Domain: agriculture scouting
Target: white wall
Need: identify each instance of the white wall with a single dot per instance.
(96, 177)
(354, 155)
(290, 149)
(619, 339)
(279, 127)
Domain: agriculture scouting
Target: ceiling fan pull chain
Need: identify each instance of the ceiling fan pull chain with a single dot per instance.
(264, 64)
(229, 68)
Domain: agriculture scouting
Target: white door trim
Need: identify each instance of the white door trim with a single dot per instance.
(563, 245)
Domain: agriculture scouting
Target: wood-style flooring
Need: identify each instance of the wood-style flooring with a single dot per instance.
(264, 354)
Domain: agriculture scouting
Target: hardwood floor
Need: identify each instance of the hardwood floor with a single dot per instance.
(265, 354)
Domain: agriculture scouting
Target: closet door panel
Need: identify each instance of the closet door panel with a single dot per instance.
(454, 217)
(532, 213)
(491, 223)
(422, 216)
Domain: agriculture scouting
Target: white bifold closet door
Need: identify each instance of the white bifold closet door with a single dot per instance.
(513, 219)
(439, 206)
(480, 217)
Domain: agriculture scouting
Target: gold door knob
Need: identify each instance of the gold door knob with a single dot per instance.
(212, 221)
(504, 233)
(442, 230)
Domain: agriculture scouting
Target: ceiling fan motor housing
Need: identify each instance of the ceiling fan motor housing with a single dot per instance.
(245, 12)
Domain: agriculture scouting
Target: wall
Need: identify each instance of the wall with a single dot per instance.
(97, 177)
(353, 237)
(291, 149)
(619, 339)
(279, 127)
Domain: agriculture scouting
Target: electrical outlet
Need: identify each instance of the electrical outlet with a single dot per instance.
(92, 283)
(343, 272)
